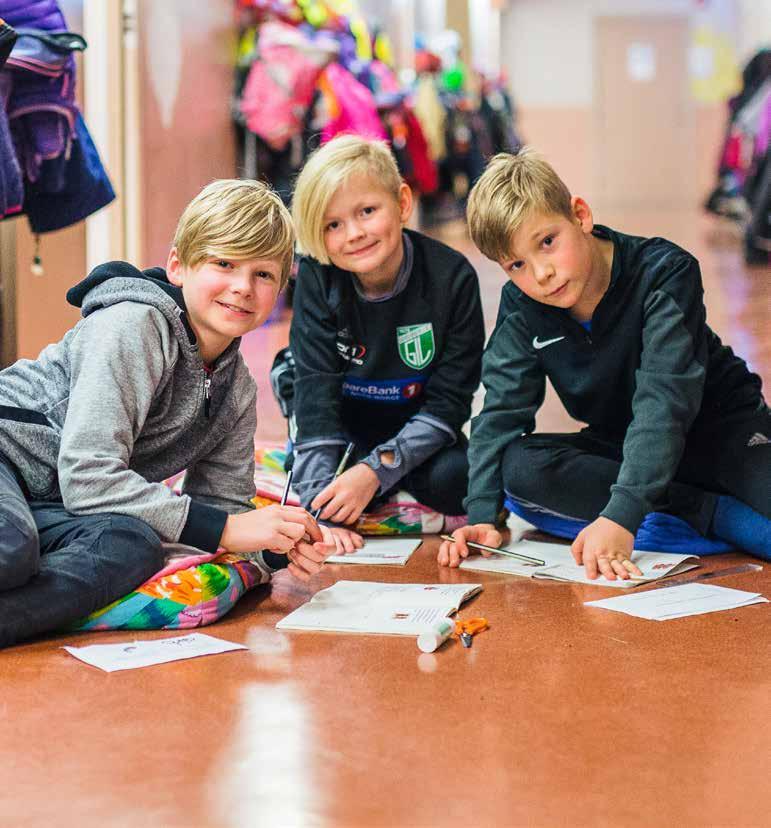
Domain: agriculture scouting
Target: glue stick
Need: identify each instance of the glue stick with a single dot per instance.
(431, 639)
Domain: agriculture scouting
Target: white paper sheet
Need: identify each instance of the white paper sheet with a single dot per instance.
(379, 608)
(132, 654)
(380, 551)
(560, 566)
(679, 601)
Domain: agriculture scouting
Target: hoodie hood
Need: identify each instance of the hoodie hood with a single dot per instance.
(115, 282)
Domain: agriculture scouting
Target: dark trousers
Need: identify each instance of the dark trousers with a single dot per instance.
(441, 481)
(571, 474)
(56, 567)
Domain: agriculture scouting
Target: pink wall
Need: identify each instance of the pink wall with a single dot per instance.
(187, 137)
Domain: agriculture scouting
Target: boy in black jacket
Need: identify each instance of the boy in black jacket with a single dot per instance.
(387, 339)
(676, 421)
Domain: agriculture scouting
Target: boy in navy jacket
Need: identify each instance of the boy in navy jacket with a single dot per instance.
(387, 339)
(676, 421)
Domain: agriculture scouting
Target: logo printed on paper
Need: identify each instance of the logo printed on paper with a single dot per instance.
(416, 344)
(537, 344)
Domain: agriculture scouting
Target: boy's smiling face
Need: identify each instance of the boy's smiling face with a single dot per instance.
(556, 260)
(363, 229)
(225, 298)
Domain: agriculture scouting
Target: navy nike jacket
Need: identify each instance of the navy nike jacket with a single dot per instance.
(649, 372)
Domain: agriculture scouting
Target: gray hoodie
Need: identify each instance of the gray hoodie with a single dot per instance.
(124, 401)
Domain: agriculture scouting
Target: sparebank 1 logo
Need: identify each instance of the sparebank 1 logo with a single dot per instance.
(416, 344)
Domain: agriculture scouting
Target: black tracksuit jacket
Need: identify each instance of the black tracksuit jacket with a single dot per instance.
(353, 377)
(649, 374)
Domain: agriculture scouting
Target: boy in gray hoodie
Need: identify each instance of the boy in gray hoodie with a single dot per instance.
(150, 381)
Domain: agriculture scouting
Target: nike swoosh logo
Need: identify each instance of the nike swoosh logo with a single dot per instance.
(538, 345)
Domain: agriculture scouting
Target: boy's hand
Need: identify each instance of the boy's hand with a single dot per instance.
(345, 540)
(306, 559)
(346, 498)
(276, 528)
(606, 546)
(451, 554)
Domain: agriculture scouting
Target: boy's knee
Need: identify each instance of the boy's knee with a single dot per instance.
(526, 466)
(142, 545)
(451, 469)
(19, 553)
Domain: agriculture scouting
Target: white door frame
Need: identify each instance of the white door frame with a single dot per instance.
(111, 76)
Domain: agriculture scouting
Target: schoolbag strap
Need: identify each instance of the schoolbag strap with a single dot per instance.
(62, 42)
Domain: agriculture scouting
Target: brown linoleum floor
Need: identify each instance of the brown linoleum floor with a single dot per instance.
(558, 715)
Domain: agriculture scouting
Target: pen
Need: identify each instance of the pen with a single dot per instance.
(288, 483)
(340, 469)
(507, 552)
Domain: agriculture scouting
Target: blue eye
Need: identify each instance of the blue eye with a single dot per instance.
(516, 265)
(223, 264)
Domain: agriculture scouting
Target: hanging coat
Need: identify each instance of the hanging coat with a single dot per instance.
(63, 178)
(353, 108)
(281, 82)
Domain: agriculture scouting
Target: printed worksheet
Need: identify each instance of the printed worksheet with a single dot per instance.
(560, 566)
(370, 607)
(131, 654)
(679, 601)
(381, 552)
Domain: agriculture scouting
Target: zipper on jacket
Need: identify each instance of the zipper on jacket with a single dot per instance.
(207, 392)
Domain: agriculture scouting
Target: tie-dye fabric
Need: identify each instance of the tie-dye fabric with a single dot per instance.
(191, 592)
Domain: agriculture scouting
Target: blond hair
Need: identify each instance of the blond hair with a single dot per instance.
(512, 188)
(236, 219)
(326, 169)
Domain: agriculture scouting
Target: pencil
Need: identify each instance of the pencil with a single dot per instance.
(340, 469)
(507, 552)
(344, 460)
(288, 483)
